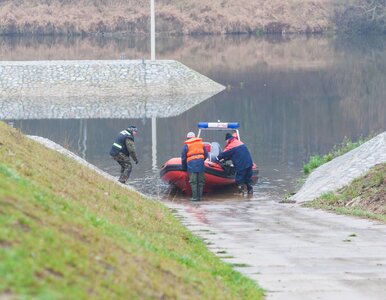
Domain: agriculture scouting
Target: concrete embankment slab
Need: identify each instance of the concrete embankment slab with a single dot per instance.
(343, 169)
(100, 89)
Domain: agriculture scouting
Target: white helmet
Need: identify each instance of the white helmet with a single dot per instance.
(190, 135)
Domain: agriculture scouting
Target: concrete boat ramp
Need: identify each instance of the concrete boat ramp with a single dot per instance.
(291, 251)
(295, 252)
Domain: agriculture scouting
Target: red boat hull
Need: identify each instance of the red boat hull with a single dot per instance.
(215, 176)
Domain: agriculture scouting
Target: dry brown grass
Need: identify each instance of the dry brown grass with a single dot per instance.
(172, 16)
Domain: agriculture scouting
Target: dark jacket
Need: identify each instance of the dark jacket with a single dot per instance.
(193, 165)
(236, 151)
(124, 143)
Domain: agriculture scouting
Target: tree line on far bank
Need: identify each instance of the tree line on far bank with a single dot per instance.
(362, 16)
(179, 17)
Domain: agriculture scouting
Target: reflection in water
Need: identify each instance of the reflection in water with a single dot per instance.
(233, 53)
(71, 48)
(96, 106)
(82, 141)
(294, 97)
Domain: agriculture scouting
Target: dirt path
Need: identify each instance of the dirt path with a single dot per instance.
(294, 252)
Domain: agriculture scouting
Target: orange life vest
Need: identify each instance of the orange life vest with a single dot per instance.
(195, 149)
(234, 142)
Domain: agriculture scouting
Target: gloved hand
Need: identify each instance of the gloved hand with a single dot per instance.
(136, 162)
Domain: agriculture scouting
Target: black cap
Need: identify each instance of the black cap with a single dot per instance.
(228, 136)
(132, 128)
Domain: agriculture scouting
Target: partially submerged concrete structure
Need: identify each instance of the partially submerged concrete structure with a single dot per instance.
(343, 169)
(100, 89)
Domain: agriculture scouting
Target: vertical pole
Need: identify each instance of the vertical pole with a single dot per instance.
(154, 142)
(152, 29)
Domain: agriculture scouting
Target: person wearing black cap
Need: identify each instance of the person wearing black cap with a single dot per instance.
(122, 149)
(238, 152)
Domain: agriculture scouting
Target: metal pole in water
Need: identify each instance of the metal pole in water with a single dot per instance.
(152, 29)
(154, 142)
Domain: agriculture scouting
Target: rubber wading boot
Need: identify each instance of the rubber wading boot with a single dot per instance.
(201, 190)
(194, 195)
(123, 179)
(240, 189)
(250, 189)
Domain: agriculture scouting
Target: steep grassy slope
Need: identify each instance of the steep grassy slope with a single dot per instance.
(68, 233)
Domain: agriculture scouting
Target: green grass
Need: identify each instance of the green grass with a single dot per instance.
(365, 197)
(68, 233)
(338, 150)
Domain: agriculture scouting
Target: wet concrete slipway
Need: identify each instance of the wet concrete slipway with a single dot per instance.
(294, 97)
(295, 252)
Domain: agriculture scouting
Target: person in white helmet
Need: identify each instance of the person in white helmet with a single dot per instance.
(193, 156)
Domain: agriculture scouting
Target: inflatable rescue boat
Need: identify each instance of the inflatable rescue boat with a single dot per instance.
(217, 174)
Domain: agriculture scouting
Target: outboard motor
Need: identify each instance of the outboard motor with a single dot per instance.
(228, 167)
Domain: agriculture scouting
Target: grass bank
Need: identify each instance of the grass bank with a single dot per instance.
(364, 197)
(338, 150)
(68, 233)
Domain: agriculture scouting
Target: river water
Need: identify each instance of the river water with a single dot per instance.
(294, 96)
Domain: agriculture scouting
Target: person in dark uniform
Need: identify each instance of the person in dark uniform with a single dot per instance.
(123, 148)
(238, 152)
(193, 156)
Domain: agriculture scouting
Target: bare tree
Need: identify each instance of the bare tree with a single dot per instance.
(362, 16)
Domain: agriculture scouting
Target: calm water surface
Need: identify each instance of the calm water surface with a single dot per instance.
(294, 97)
